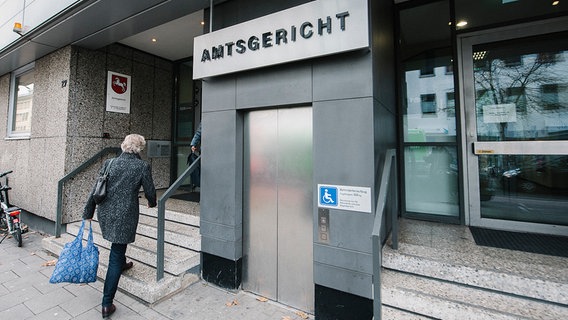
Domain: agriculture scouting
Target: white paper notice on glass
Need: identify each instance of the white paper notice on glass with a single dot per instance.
(497, 113)
(118, 92)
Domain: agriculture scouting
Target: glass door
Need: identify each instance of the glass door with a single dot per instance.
(515, 95)
(186, 118)
(428, 116)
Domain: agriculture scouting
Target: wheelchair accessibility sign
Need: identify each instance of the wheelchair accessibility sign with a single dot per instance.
(328, 196)
(344, 197)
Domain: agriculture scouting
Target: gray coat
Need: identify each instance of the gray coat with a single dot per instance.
(118, 213)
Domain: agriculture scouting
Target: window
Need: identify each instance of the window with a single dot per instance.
(21, 102)
(450, 105)
(547, 57)
(428, 104)
(549, 96)
(517, 96)
(427, 68)
(427, 112)
(514, 61)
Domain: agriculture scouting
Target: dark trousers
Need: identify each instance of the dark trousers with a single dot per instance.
(116, 260)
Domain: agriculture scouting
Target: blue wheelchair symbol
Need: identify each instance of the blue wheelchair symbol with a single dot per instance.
(328, 196)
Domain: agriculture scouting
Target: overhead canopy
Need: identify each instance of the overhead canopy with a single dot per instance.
(93, 24)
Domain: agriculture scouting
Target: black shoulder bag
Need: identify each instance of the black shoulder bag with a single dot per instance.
(99, 194)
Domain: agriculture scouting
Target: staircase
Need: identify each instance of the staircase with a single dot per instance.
(181, 253)
(439, 272)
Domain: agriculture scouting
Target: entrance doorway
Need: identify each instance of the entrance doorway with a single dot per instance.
(428, 113)
(278, 205)
(515, 94)
(186, 116)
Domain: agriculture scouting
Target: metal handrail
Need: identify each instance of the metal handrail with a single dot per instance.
(162, 216)
(61, 182)
(388, 167)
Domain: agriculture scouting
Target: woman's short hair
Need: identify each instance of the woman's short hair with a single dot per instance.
(133, 143)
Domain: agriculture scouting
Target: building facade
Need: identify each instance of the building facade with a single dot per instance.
(299, 102)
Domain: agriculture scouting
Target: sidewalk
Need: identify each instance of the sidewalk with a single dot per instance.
(26, 293)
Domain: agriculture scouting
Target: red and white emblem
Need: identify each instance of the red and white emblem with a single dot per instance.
(119, 84)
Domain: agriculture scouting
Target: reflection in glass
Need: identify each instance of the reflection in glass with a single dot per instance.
(428, 110)
(529, 188)
(521, 89)
(485, 13)
(23, 103)
(186, 111)
(431, 180)
(429, 104)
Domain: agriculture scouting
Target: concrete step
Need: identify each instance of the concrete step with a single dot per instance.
(446, 300)
(398, 314)
(486, 268)
(177, 260)
(182, 247)
(140, 281)
(175, 233)
(177, 205)
(188, 219)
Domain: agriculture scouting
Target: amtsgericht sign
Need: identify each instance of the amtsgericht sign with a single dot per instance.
(310, 30)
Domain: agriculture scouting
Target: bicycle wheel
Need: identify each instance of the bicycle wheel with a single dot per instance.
(18, 236)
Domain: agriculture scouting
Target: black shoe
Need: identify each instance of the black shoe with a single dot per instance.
(127, 266)
(107, 311)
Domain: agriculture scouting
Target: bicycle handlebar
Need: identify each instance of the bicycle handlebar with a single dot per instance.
(5, 173)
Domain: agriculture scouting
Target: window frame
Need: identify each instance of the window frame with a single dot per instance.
(12, 109)
(428, 105)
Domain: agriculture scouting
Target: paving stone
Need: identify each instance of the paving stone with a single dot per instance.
(92, 314)
(42, 303)
(151, 314)
(7, 276)
(18, 311)
(86, 298)
(28, 280)
(14, 298)
(7, 265)
(55, 313)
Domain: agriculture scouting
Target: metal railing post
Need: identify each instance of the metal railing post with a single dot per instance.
(394, 210)
(162, 217)
(377, 304)
(160, 239)
(390, 162)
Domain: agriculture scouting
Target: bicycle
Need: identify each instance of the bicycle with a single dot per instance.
(9, 215)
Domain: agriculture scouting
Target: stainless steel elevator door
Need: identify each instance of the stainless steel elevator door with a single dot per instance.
(277, 206)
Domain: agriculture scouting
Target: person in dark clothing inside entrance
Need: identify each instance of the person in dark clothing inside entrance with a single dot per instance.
(195, 143)
(196, 139)
(118, 213)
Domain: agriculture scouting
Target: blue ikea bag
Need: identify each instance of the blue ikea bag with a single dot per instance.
(77, 264)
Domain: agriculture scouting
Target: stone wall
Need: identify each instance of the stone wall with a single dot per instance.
(70, 124)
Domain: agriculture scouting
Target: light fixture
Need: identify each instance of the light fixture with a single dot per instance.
(555, 3)
(461, 23)
(154, 40)
(18, 28)
(479, 55)
(202, 23)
